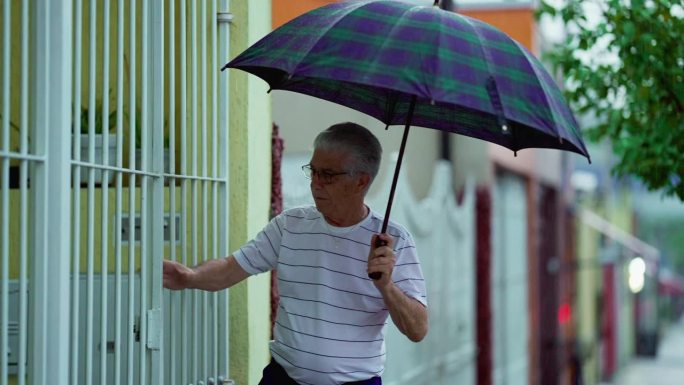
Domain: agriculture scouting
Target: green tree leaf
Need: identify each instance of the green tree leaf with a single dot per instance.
(639, 101)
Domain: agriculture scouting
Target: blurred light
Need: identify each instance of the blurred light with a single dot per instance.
(584, 181)
(637, 269)
(637, 266)
(564, 314)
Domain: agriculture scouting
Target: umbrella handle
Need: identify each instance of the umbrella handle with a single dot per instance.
(377, 275)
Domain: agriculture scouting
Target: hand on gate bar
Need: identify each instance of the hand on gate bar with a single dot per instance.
(176, 276)
(210, 275)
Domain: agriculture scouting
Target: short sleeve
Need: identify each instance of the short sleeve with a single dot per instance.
(261, 253)
(407, 274)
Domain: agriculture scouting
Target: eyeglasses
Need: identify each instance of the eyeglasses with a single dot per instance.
(325, 177)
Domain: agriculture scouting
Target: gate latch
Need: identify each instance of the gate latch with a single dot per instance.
(154, 329)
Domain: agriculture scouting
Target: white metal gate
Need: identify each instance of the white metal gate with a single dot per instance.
(113, 155)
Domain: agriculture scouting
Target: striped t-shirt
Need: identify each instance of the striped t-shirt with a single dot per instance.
(330, 326)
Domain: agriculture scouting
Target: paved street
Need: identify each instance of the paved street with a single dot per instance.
(665, 369)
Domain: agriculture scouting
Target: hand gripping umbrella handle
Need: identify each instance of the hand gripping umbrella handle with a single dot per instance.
(377, 275)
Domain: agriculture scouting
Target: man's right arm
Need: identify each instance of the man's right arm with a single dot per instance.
(211, 275)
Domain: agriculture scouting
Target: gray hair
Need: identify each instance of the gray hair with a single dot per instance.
(356, 140)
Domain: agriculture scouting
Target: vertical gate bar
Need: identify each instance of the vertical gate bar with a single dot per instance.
(119, 187)
(193, 161)
(144, 197)
(51, 130)
(131, 260)
(156, 206)
(4, 268)
(131, 270)
(23, 277)
(185, 375)
(174, 296)
(203, 79)
(90, 233)
(90, 275)
(23, 186)
(104, 216)
(214, 185)
(205, 208)
(76, 197)
(131, 196)
(223, 108)
(4, 188)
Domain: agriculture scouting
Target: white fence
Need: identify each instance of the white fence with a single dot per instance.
(113, 155)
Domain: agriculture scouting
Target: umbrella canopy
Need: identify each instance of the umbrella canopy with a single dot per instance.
(418, 65)
(468, 77)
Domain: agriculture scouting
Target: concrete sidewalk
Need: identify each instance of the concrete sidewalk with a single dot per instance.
(667, 368)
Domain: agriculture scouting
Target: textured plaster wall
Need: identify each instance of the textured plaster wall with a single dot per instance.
(250, 127)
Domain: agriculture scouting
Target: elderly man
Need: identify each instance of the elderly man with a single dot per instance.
(331, 319)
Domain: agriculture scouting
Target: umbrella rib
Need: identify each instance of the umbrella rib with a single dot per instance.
(492, 88)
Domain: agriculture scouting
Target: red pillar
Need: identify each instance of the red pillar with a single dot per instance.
(608, 323)
(277, 146)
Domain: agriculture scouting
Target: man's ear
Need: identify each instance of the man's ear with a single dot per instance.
(363, 181)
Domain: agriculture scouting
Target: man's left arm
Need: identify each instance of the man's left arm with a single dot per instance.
(408, 314)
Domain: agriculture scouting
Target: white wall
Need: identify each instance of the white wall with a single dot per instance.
(300, 118)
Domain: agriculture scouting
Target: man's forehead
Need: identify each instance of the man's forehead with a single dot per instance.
(324, 157)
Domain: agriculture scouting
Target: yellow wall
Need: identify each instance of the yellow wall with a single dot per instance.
(250, 157)
(16, 71)
(589, 284)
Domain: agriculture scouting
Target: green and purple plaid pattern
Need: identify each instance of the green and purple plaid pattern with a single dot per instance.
(373, 56)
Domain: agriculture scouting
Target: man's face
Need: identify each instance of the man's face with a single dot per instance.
(334, 190)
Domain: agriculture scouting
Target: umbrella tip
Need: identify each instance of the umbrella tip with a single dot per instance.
(515, 154)
(386, 127)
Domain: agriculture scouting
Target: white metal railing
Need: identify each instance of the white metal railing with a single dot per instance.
(102, 218)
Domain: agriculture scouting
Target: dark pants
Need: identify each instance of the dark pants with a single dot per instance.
(274, 374)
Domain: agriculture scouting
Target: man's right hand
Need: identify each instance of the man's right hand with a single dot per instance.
(210, 275)
(177, 276)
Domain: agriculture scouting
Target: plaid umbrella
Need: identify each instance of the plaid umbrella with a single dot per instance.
(418, 65)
